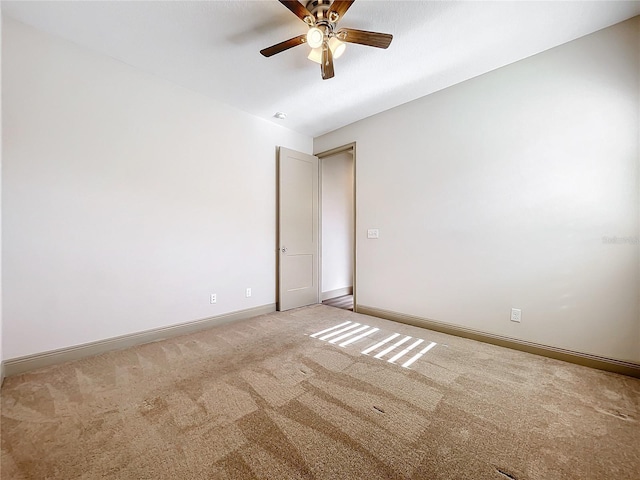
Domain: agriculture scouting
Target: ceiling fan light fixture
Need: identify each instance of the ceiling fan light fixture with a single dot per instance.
(315, 37)
(337, 47)
(326, 41)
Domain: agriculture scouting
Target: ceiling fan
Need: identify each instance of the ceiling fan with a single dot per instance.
(326, 41)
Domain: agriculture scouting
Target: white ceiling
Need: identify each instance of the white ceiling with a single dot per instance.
(213, 48)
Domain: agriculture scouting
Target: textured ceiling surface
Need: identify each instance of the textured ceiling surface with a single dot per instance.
(213, 48)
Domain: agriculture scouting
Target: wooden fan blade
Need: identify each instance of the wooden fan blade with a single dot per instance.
(340, 7)
(282, 46)
(326, 67)
(372, 39)
(299, 10)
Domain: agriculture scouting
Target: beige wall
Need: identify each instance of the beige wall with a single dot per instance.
(127, 199)
(497, 193)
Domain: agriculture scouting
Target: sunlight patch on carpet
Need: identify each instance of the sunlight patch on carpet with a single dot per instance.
(350, 332)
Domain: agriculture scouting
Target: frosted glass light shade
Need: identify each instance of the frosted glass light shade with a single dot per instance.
(337, 47)
(315, 37)
(315, 55)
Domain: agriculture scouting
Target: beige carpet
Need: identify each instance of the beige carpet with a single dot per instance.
(267, 398)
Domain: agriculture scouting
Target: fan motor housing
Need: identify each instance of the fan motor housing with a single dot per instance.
(319, 8)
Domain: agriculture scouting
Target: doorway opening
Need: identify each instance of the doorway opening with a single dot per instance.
(316, 217)
(337, 227)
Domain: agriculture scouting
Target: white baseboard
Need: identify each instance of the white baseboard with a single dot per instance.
(27, 363)
(340, 292)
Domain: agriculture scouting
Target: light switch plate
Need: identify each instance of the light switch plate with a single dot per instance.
(373, 233)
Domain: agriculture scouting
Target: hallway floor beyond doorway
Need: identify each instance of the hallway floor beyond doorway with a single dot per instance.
(345, 302)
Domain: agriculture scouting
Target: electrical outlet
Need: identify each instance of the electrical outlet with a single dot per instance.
(247, 293)
(516, 315)
(373, 233)
(213, 298)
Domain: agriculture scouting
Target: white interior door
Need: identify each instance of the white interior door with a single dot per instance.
(298, 237)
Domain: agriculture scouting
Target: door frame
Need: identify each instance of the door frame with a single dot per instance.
(321, 156)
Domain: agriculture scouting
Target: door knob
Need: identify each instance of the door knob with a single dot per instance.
(283, 249)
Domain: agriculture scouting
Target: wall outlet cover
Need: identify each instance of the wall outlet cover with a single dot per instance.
(516, 315)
